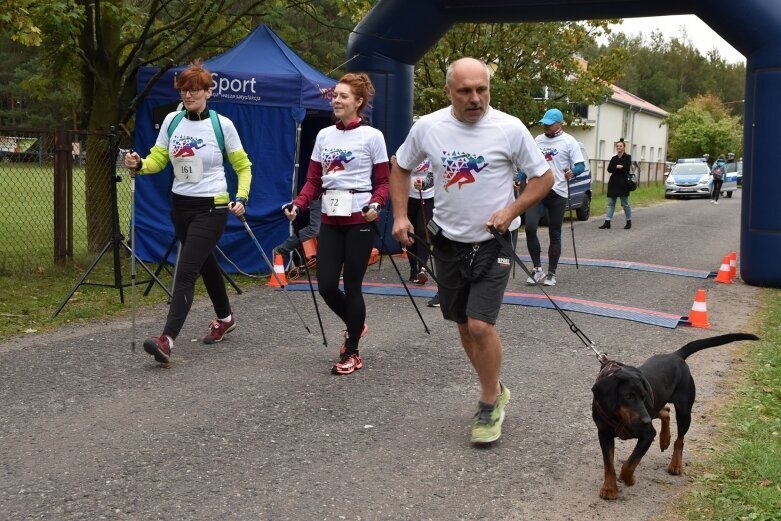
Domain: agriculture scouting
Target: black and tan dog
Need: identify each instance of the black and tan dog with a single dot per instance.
(627, 398)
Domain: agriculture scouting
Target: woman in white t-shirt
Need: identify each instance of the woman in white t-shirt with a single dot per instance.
(194, 141)
(345, 158)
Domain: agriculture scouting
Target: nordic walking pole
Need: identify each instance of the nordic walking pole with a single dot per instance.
(289, 207)
(132, 255)
(273, 273)
(572, 227)
(403, 282)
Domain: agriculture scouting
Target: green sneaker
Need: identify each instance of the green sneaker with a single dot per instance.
(487, 425)
(503, 397)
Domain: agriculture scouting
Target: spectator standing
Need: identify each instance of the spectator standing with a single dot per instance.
(617, 187)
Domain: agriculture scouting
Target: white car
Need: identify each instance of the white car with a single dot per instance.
(692, 178)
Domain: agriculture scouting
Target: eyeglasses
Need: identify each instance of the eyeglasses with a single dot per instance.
(191, 92)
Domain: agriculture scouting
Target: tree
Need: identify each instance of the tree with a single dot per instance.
(100, 44)
(536, 66)
(704, 126)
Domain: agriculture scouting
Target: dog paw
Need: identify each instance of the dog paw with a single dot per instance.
(675, 469)
(608, 493)
(627, 478)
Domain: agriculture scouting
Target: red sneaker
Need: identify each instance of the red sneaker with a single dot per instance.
(348, 364)
(159, 347)
(218, 329)
(343, 349)
(422, 277)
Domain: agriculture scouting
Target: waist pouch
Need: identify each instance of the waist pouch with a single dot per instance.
(474, 260)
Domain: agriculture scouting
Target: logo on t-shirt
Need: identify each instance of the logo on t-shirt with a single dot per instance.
(185, 146)
(460, 168)
(335, 159)
(549, 153)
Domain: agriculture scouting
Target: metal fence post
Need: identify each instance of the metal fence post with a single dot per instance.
(62, 155)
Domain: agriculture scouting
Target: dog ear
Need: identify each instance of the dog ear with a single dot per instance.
(648, 394)
(605, 392)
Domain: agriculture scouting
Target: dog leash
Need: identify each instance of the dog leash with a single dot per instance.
(602, 357)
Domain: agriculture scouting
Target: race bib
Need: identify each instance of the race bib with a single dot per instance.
(338, 203)
(188, 169)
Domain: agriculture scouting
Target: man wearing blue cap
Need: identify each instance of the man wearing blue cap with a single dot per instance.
(566, 161)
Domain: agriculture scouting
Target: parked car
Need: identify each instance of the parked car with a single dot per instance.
(736, 168)
(688, 179)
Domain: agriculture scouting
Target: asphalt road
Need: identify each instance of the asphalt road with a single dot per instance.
(257, 428)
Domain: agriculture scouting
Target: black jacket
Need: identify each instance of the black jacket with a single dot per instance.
(616, 186)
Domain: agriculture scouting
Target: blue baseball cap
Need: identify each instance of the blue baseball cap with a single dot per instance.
(552, 116)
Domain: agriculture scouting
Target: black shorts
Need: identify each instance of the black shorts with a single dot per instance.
(461, 298)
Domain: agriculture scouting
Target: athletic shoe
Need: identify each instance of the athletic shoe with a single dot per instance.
(487, 423)
(503, 397)
(422, 277)
(218, 329)
(347, 364)
(343, 349)
(536, 276)
(550, 279)
(159, 347)
(434, 302)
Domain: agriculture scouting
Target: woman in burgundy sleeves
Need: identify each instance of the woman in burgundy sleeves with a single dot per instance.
(345, 158)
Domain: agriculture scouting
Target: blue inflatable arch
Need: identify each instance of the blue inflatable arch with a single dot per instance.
(397, 33)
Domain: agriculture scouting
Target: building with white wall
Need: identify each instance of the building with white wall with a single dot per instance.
(627, 116)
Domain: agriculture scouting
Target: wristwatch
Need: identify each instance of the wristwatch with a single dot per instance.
(242, 200)
(376, 206)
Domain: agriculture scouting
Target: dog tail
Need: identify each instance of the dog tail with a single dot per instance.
(699, 345)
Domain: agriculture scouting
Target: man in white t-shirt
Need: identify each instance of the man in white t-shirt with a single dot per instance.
(475, 151)
(566, 161)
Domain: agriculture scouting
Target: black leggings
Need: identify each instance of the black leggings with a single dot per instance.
(347, 247)
(415, 216)
(199, 226)
(555, 205)
(716, 190)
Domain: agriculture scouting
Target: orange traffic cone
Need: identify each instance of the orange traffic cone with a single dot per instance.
(279, 269)
(723, 275)
(733, 265)
(699, 313)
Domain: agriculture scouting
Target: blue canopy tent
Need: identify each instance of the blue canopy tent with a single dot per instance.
(267, 91)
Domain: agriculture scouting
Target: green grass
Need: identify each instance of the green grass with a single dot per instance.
(742, 479)
(27, 215)
(30, 299)
(645, 195)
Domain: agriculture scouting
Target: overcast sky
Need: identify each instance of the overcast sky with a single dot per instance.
(699, 34)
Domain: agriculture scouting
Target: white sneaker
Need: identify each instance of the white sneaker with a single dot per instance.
(536, 276)
(715, 202)
(550, 279)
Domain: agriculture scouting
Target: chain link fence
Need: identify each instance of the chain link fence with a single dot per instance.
(63, 196)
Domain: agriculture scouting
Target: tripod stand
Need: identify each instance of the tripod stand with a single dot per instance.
(116, 242)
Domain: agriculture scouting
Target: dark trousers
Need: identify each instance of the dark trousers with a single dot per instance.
(555, 205)
(199, 226)
(716, 190)
(345, 249)
(416, 216)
